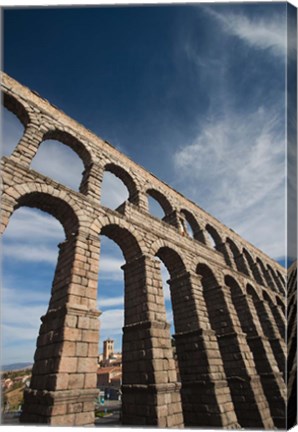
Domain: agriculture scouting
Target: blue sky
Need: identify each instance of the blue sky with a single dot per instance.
(194, 93)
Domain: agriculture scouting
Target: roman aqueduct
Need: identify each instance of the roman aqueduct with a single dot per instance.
(228, 297)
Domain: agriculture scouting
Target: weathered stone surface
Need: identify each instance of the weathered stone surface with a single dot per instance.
(228, 299)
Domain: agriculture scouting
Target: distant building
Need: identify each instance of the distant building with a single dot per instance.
(109, 376)
(109, 380)
(108, 349)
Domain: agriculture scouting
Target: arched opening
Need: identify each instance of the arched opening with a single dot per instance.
(118, 302)
(281, 304)
(266, 275)
(29, 258)
(59, 162)
(222, 323)
(158, 204)
(172, 274)
(253, 267)
(191, 226)
(114, 191)
(276, 315)
(172, 267)
(146, 339)
(14, 121)
(118, 186)
(268, 328)
(213, 237)
(155, 209)
(261, 356)
(282, 280)
(111, 304)
(237, 256)
(275, 280)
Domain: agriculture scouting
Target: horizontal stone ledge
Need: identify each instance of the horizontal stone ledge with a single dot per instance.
(45, 397)
(70, 309)
(151, 388)
(146, 325)
(232, 335)
(257, 337)
(196, 332)
(208, 382)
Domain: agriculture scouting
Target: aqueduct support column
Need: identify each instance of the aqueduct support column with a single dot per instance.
(92, 180)
(28, 145)
(279, 319)
(228, 256)
(151, 395)
(270, 330)
(206, 397)
(63, 384)
(247, 393)
(271, 378)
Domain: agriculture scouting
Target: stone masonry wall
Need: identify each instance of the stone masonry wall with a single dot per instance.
(228, 297)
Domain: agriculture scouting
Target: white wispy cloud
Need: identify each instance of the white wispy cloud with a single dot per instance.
(110, 268)
(12, 295)
(265, 33)
(110, 301)
(113, 191)
(112, 320)
(28, 224)
(31, 253)
(32, 235)
(235, 169)
(20, 321)
(56, 160)
(11, 132)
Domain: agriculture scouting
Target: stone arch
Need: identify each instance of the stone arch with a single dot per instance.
(72, 142)
(144, 320)
(225, 324)
(161, 199)
(68, 288)
(282, 279)
(266, 275)
(238, 258)
(128, 180)
(268, 328)
(207, 275)
(276, 314)
(172, 260)
(252, 292)
(214, 235)
(121, 226)
(234, 286)
(124, 239)
(162, 244)
(253, 266)
(275, 279)
(281, 304)
(16, 107)
(196, 229)
(259, 348)
(48, 199)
